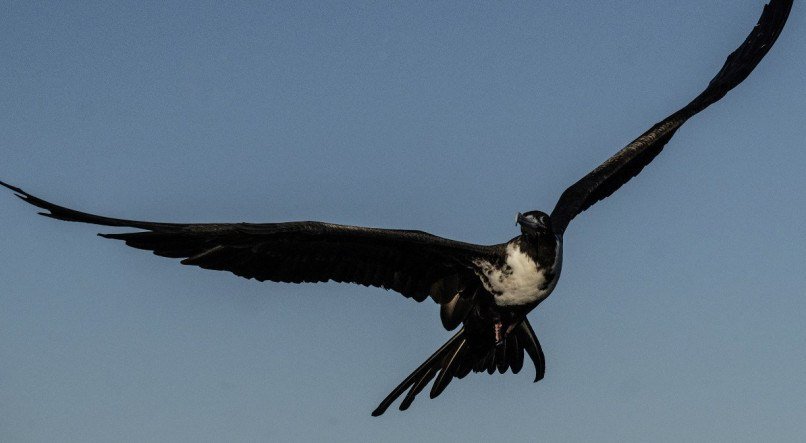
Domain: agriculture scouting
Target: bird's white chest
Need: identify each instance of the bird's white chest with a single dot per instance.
(521, 280)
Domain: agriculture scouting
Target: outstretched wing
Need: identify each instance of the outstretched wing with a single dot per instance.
(628, 162)
(413, 263)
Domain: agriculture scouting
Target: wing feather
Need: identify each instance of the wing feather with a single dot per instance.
(413, 263)
(628, 162)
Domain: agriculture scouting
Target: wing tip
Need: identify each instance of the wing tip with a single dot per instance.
(50, 210)
(13, 188)
(22, 195)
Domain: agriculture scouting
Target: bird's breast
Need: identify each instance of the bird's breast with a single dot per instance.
(520, 280)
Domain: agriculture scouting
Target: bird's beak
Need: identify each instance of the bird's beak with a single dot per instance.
(518, 218)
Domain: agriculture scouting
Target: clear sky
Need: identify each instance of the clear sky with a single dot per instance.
(680, 314)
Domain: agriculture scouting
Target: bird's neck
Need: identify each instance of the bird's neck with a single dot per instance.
(541, 248)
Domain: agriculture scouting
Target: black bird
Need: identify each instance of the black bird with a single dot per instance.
(488, 290)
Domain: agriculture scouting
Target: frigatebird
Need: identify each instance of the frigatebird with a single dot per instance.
(488, 290)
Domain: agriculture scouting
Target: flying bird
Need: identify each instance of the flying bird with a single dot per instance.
(487, 290)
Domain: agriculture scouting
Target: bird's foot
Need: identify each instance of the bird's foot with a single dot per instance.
(499, 338)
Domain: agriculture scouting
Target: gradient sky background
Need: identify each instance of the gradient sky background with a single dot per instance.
(681, 312)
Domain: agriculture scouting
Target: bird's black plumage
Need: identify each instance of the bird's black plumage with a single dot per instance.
(409, 262)
(628, 162)
(486, 289)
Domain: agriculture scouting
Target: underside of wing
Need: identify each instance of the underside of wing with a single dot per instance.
(413, 263)
(628, 162)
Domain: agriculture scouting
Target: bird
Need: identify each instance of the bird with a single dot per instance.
(484, 290)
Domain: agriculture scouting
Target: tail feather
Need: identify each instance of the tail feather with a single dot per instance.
(417, 388)
(533, 348)
(465, 367)
(516, 355)
(449, 369)
(491, 361)
(460, 355)
(501, 361)
(422, 371)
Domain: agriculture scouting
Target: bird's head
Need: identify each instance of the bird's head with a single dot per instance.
(534, 223)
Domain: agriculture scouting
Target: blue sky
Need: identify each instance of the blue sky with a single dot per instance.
(680, 311)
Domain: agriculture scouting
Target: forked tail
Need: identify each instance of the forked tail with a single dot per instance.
(462, 354)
